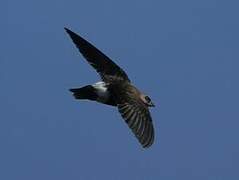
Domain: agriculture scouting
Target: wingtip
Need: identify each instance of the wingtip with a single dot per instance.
(146, 146)
(66, 29)
(71, 33)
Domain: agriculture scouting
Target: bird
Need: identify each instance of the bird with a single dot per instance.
(115, 89)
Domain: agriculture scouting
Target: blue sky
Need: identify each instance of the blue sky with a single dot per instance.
(184, 54)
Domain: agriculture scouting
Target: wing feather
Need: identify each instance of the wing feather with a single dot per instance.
(108, 70)
(139, 120)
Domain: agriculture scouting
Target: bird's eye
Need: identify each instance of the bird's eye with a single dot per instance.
(147, 99)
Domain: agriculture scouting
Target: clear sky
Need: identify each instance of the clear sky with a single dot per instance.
(184, 54)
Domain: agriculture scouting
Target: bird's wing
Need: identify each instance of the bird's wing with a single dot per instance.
(136, 114)
(108, 70)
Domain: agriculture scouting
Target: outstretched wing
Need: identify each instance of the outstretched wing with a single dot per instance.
(108, 70)
(139, 120)
(136, 114)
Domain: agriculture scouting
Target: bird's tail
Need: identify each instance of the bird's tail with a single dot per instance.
(86, 92)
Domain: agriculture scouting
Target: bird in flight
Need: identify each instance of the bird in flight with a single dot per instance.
(115, 89)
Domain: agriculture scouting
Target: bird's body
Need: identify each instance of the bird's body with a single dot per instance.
(116, 90)
(103, 93)
(96, 92)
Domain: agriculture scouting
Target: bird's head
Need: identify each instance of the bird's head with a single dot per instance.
(147, 101)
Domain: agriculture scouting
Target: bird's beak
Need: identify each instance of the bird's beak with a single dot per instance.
(152, 105)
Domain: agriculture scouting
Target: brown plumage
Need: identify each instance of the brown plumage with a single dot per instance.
(116, 90)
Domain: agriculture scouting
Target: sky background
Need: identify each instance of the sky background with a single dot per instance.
(184, 54)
